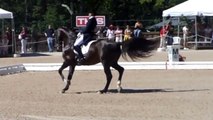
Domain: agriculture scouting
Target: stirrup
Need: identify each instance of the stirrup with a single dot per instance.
(80, 60)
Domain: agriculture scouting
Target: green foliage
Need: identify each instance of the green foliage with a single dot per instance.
(37, 14)
(51, 16)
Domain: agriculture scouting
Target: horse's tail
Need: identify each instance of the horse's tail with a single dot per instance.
(138, 48)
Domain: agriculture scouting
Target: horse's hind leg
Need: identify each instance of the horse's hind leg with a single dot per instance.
(68, 82)
(120, 70)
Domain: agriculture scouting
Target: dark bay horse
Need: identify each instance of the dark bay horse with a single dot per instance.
(104, 51)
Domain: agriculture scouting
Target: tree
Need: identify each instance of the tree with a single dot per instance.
(38, 13)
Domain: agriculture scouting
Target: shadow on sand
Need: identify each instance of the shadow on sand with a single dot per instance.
(34, 54)
(137, 91)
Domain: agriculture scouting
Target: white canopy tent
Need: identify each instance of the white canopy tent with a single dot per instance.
(191, 8)
(4, 14)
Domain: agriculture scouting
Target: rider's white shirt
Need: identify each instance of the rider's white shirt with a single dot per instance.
(80, 37)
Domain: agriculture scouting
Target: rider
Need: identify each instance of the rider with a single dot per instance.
(88, 32)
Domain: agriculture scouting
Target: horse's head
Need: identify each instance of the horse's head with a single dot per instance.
(65, 37)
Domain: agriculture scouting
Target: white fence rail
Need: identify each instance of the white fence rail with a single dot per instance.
(126, 65)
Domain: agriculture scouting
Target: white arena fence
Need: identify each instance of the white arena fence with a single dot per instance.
(44, 67)
(126, 65)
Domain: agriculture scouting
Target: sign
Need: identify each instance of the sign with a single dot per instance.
(173, 53)
(81, 21)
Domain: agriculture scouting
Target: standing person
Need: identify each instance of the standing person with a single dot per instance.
(118, 34)
(110, 33)
(88, 33)
(49, 33)
(127, 33)
(170, 33)
(137, 33)
(22, 36)
(163, 33)
(8, 33)
(99, 33)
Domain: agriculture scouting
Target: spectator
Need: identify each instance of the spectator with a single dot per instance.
(118, 34)
(22, 37)
(49, 33)
(170, 33)
(127, 33)
(163, 33)
(137, 33)
(100, 33)
(110, 33)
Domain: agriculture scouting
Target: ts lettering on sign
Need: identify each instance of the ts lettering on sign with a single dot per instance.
(81, 21)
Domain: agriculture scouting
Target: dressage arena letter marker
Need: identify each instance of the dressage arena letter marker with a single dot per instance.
(173, 53)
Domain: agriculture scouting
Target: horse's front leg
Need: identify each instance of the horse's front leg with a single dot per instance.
(68, 81)
(63, 66)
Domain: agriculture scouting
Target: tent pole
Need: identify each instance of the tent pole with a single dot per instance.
(178, 27)
(163, 41)
(163, 22)
(13, 37)
(196, 35)
(2, 28)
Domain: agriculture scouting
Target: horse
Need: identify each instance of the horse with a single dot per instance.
(103, 51)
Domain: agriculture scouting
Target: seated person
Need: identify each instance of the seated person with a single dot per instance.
(88, 34)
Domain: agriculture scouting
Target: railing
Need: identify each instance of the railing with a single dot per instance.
(38, 43)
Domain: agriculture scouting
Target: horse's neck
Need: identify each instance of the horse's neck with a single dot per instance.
(68, 47)
(70, 38)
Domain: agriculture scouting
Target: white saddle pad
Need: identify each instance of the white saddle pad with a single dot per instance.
(84, 48)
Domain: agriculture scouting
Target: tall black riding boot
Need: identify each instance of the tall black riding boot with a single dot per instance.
(78, 50)
(80, 55)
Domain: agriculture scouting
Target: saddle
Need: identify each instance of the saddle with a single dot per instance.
(84, 48)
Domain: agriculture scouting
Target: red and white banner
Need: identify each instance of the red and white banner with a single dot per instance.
(81, 21)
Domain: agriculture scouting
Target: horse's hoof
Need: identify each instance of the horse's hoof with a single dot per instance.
(119, 89)
(63, 91)
(101, 91)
